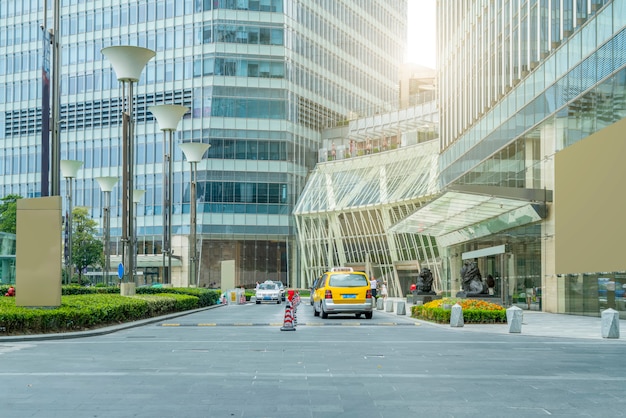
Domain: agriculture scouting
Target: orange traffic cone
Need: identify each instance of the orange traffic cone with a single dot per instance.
(288, 322)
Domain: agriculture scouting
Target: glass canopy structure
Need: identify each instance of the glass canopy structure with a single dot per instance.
(345, 214)
(463, 213)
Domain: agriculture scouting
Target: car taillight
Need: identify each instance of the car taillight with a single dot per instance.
(368, 294)
(328, 294)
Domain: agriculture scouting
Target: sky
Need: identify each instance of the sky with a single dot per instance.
(421, 45)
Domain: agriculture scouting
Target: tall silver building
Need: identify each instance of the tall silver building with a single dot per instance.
(532, 97)
(262, 79)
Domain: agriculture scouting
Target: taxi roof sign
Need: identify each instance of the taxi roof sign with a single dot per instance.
(342, 269)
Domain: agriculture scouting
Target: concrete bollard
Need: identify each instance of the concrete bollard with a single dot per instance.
(389, 306)
(610, 323)
(379, 304)
(456, 317)
(514, 317)
(401, 308)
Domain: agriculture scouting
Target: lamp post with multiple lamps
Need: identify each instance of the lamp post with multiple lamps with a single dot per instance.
(128, 62)
(69, 169)
(193, 153)
(106, 185)
(168, 117)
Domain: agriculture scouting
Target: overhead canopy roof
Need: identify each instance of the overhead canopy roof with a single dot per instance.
(462, 213)
(385, 178)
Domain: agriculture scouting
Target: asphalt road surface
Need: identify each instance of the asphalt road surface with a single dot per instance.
(235, 361)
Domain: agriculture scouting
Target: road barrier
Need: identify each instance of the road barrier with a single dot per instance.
(288, 323)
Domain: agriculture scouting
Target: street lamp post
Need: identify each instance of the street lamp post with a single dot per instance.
(193, 152)
(137, 195)
(168, 117)
(69, 169)
(106, 185)
(128, 62)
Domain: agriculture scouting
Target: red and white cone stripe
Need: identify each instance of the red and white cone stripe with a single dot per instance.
(288, 323)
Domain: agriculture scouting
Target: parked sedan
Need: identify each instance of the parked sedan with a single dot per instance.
(268, 292)
(281, 286)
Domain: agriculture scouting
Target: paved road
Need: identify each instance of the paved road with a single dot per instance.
(234, 361)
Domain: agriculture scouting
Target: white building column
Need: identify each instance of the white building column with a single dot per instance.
(549, 284)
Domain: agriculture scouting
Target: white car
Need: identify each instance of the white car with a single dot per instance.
(281, 286)
(268, 292)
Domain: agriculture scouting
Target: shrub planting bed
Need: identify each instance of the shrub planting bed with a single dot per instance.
(93, 307)
(474, 311)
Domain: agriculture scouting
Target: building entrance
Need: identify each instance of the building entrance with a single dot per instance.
(496, 267)
(494, 262)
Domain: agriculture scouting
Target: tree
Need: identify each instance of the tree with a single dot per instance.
(8, 213)
(87, 249)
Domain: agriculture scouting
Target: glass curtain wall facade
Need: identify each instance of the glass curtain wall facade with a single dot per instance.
(520, 81)
(7, 258)
(262, 79)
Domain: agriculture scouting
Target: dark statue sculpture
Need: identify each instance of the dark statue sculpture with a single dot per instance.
(425, 282)
(471, 280)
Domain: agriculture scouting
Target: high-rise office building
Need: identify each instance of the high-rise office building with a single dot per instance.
(532, 97)
(262, 78)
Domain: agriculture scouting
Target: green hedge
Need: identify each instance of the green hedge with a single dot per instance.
(470, 316)
(473, 316)
(68, 290)
(439, 315)
(84, 308)
(206, 297)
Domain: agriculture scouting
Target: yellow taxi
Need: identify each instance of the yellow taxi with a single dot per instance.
(342, 291)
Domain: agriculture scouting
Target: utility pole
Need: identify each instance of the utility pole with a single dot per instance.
(50, 104)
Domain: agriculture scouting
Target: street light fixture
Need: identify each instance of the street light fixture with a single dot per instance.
(69, 169)
(168, 117)
(193, 153)
(128, 62)
(106, 185)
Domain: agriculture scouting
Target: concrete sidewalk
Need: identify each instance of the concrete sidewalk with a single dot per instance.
(534, 323)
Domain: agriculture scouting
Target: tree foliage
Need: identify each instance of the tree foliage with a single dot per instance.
(87, 249)
(8, 213)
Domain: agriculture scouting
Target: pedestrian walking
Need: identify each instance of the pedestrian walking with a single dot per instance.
(530, 291)
(374, 287)
(491, 284)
